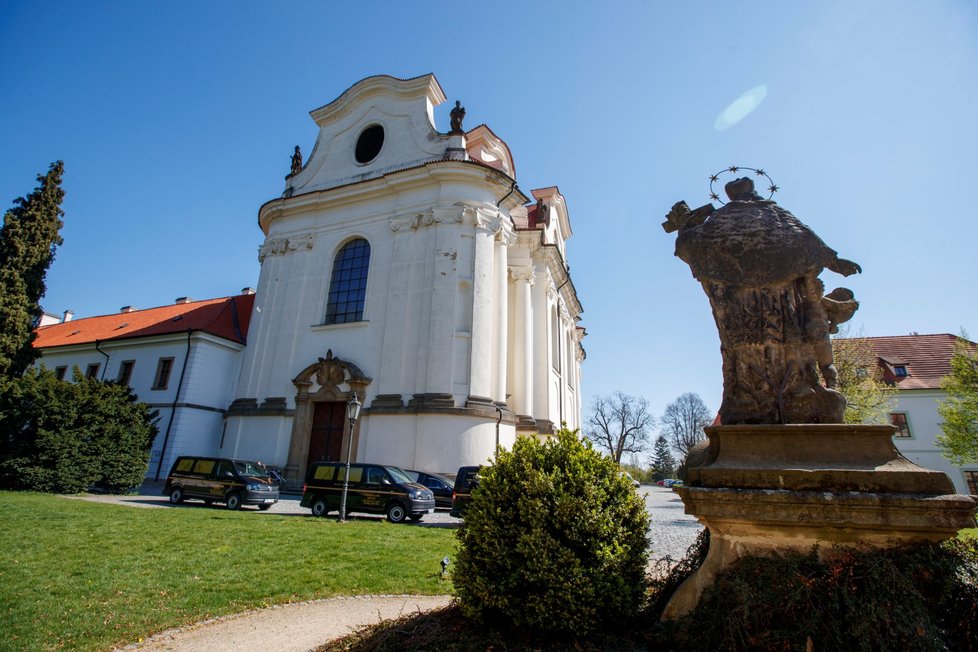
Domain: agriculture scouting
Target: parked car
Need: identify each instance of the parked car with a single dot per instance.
(373, 489)
(221, 480)
(441, 486)
(466, 480)
(635, 483)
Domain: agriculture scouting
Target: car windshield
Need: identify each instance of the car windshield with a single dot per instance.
(251, 469)
(398, 475)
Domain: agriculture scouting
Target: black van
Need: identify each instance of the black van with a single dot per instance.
(466, 480)
(214, 479)
(373, 489)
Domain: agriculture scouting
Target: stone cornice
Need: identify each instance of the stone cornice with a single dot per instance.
(403, 180)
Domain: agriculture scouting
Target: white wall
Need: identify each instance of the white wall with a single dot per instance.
(925, 425)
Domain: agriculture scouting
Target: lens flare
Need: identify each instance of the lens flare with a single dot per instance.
(740, 108)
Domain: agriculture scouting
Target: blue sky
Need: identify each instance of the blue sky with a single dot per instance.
(176, 121)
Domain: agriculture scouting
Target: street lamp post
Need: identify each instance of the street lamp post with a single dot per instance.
(499, 418)
(352, 414)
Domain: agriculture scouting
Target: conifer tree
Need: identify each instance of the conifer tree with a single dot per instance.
(663, 463)
(28, 240)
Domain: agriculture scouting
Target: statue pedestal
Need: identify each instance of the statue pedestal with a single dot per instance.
(764, 489)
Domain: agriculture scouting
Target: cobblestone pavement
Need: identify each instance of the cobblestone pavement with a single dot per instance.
(671, 533)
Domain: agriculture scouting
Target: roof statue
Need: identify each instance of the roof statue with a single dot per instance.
(296, 161)
(759, 266)
(457, 115)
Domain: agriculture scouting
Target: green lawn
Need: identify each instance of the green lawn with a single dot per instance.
(82, 575)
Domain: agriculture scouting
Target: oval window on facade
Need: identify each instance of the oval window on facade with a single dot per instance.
(369, 143)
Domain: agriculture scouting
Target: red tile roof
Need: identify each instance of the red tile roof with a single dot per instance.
(227, 317)
(927, 358)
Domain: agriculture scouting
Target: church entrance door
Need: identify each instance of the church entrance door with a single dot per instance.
(326, 437)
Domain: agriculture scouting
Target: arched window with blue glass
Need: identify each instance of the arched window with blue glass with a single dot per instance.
(348, 284)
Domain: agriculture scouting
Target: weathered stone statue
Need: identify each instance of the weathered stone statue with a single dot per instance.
(782, 472)
(759, 266)
(296, 161)
(457, 115)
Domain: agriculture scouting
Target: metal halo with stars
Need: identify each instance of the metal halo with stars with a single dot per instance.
(737, 168)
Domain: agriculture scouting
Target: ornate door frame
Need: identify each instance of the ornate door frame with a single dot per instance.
(335, 380)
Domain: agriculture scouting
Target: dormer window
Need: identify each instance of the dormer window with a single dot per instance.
(369, 143)
(900, 371)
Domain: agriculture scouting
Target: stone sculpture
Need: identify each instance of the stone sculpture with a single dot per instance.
(296, 161)
(759, 266)
(457, 115)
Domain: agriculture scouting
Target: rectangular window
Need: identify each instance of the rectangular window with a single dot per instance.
(59, 372)
(971, 477)
(125, 372)
(92, 370)
(899, 419)
(163, 369)
(900, 371)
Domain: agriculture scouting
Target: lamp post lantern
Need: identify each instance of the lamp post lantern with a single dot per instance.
(352, 414)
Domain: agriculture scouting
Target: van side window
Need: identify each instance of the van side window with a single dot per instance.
(204, 467)
(375, 475)
(324, 472)
(356, 474)
(185, 464)
(223, 468)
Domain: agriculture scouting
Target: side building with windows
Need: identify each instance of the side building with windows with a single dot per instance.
(181, 359)
(915, 365)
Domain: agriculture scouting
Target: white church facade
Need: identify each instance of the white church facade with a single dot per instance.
(404, 265)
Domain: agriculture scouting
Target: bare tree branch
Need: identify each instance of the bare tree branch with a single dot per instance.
(619, 424)
(684, 420)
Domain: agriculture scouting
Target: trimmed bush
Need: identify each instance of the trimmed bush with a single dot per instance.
(67, 437)
(554, 541)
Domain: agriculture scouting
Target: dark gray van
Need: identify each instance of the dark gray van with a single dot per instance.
(373, 489)
(220, 480)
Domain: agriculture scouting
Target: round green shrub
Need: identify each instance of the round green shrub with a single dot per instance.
(554, 541)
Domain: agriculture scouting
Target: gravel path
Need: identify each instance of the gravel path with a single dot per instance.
(289, 628)
(307, 625)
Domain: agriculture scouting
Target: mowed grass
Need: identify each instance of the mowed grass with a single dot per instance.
(81, 575)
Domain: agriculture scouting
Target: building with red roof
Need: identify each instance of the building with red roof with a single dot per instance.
(181, 359)
(916, 364)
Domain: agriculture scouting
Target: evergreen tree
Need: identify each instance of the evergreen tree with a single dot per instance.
(959, 442)
(28, 240)
(663, 463)
(70, 436)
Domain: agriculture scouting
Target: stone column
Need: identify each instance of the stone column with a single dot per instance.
(501, 302)
(480, 370)
(523, 342)
(542, 292)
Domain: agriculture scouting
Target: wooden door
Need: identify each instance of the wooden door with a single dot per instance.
(326, 438)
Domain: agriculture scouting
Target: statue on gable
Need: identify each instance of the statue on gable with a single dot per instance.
(543, 213)
(296, 161)
(457, 115)
(759, 266)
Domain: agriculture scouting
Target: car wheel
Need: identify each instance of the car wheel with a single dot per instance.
(319, 507)
(176, 495)
(417, 517)
(265, 508)
(396, 513)
(233, 501)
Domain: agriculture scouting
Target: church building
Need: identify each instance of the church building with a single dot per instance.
(401, 264)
